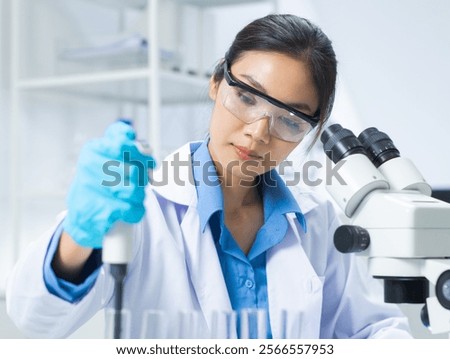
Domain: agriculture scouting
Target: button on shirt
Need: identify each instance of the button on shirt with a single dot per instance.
(245, 276)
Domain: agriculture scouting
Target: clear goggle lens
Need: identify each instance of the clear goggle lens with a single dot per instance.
(250, 108)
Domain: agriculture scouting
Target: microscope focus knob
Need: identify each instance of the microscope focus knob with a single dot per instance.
(351, 239)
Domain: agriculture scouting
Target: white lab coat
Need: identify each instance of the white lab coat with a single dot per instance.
(175, 267)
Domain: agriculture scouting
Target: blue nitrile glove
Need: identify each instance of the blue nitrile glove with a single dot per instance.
(109, 186)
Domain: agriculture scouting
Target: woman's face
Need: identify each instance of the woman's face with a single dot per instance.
(246, 150)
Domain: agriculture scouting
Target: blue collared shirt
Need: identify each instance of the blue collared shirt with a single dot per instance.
(244, 275)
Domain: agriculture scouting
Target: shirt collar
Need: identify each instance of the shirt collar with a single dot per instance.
(276, 196)
(278, 199)
(210, 198)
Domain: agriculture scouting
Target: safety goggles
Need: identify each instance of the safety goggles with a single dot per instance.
(250, 105)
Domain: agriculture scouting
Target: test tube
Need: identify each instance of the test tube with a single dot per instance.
(253, 324)
(223, 324)
(291, 324)
(155, 325)
(190, 325)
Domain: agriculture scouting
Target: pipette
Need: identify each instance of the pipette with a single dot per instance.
(117, 252)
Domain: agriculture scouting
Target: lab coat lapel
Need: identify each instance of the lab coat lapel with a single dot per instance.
(204, 266)
(174, 181)
(294, 287)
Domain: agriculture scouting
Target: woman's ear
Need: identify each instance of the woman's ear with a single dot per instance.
(213, 88)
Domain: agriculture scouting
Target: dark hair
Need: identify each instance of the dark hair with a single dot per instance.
(296, 37)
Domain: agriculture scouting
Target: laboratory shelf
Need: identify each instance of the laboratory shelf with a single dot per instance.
(124, 85)
(82, 79)
(141, 4)
(136, 4)
(212, 3)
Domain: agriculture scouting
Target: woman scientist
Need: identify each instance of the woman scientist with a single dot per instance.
(221, 230)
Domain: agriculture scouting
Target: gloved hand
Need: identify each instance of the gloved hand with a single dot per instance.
(109, 186)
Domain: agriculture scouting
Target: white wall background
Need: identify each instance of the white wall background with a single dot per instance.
(4, 118)
(393, 74)
(394, 69)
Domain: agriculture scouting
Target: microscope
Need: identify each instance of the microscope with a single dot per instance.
(404, 232)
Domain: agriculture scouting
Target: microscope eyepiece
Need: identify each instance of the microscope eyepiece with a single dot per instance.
(378, 145)
(339, 142)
